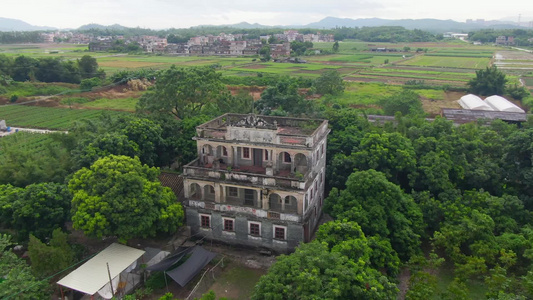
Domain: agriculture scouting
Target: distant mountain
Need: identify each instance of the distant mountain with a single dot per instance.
(7, 24)
(98, 26)
(433, 25)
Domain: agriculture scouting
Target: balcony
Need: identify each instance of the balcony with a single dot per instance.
(246, 174)
(258, 212)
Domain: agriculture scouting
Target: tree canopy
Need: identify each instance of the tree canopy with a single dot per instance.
(330, 82)
(381, 208)
(313, 272)
(490, 81)
(183, 92)
(120, 196)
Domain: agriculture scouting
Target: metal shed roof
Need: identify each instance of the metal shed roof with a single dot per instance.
(473, 102)
(466, 115)
(502, 104)
(92, 275)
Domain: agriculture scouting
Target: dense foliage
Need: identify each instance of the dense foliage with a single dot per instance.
(37, 209)
(487, 82)
(49, 69)
(18, 282)
(522, 37)
(119, 196)
(183, 92)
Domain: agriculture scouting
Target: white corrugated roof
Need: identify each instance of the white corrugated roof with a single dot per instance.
(473, 102)
(92, 275)
(502, 104)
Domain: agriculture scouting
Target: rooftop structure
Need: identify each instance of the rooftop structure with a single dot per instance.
(461, 116)
(473, 102)
(257, 181)
(502, 104)
(116, 261)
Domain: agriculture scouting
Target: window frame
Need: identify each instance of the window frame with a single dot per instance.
(224, 228)
(202, 216)
(242, 153)
(230, 188)
(250, 223)
(224, 151)
(274, 232)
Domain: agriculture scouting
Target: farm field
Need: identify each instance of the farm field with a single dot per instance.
(26, 140)
(48, 117)
(447, 62)
(126, 104)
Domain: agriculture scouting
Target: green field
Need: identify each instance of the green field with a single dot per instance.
(126, 104)
(26, 140)
(48, 117)
(447, 62)
(450, 63)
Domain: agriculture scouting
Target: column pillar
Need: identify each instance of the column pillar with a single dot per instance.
(292, 162)
(223, 196)
(235, 158)
(265, 195)
(217, 192)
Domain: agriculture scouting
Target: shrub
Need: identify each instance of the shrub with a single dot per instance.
(89, 83)
(517, 92)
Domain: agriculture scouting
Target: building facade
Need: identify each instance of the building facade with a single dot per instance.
(257, 180)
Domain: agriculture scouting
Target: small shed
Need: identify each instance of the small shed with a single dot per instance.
(501, 104)
(93, 277)
(473, 102)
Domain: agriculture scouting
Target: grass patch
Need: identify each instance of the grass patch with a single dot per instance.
(27, 89)
(357, 93)
(127, 104)
(237, 282)
(447, 62)
(48, 117)
(27, 141)
(74, 100)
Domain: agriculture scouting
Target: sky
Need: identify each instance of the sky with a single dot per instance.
(160, 14)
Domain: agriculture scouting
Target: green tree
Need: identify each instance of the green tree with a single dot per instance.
(407, 102)
(313, 272)
(330, 82)
(17, 281)
(40, 208)
(182, 92)
(265, 53)
(88, 67)
(381, 208)
(91, 149)
(490, 81)
(24, 68)
(336, 46)
(45, 259)
(390, 153)
(348, 238)
(119, 196)
(283, 96)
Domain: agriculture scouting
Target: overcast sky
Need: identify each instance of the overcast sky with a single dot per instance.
(158, 14)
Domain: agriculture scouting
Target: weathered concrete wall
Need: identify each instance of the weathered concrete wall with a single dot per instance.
(241, 236)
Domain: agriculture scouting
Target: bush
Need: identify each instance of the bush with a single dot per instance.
(13, 98)
(517, 92)
(89, 83)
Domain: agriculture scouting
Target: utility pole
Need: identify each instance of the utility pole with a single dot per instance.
(110, 281)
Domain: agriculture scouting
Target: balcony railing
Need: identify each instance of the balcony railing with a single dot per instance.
(192, 169)
(258, 212)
